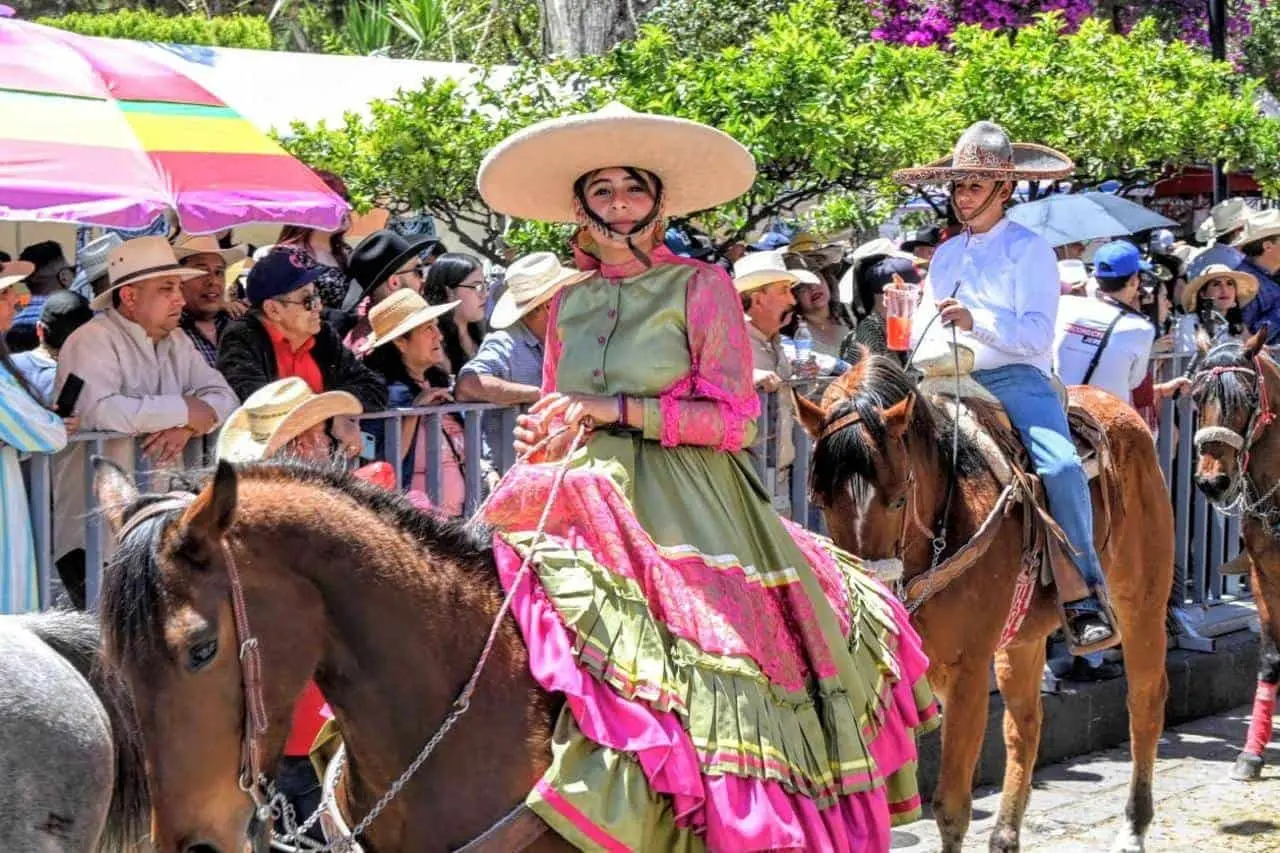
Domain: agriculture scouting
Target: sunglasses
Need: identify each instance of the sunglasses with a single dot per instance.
(309, 303)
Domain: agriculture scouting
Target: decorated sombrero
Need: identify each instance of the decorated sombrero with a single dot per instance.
(984, 153)
(530, 175)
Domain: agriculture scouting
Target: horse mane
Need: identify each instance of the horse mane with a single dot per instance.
(77, 638)
(132, 598)
(1215, 381)
(846, 456)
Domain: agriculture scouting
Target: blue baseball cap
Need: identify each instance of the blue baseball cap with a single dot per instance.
(1118, 259)
(280, 272)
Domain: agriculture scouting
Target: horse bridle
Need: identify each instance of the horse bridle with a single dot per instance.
(1260, 418)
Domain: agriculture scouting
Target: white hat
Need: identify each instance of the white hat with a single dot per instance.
(277, 413)
(1072, 271)
(530, 175)
(1225, 216)
(13, 272)
(531, 281)
(755, 270)
(92, 259)
(188, 245)
(137, 260)
(1258, 226)
(401, 313)
(880, 247)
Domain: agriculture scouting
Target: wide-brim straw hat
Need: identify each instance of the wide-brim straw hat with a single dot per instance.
(1246, 285)
(819, 254)
(530, 175)
(188, 245)
(135, 261)
(276, 414)
(399, 314)
(1258, 226)
(13, 273)
(755, 270)
(984, 153)
(1224, 217)
(530, 282)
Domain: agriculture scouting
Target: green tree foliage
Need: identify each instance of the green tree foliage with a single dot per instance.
(142, 25)
(828, 117)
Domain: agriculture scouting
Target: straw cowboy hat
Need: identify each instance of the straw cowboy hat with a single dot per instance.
(531, 281)
(188, 245)
(530, 175)
(399, 314)
(14, 273)
(759, 269)
(276, 414)
(1246, 285)
(1258, 226)
(807, 245)
(135, 261)
(1224, 217)
(984, 153)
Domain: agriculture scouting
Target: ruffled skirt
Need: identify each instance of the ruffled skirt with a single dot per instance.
(732, 682)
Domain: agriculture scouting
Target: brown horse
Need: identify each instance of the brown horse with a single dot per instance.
(385, 606)
(1237, 387)
(882, 479)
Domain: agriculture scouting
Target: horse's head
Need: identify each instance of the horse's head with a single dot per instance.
(1235, 388)
(876, 466)
(169, 633)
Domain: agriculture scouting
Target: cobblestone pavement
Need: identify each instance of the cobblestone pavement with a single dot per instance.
(1078, 805)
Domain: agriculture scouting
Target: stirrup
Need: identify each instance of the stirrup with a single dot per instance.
(1078, 645)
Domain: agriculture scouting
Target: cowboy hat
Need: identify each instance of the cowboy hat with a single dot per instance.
(984, 153)
(91, 262)
(1246, 285)
(759, 269)
(1224, 217)
(873, 250)
(399, 314)
(531, 281)
(277, 413)
(135, 261)
(930, 235)
(13, 273)
(380, 255)
(1258, 226)
(530, 175)
(805, 244)
(189, 245)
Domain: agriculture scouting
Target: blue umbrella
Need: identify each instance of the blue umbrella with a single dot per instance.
(1081, 217)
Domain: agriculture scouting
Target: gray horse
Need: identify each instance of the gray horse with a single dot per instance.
(72, 774)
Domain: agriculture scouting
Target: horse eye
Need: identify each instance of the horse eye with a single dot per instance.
(898, 502)
(199, 655)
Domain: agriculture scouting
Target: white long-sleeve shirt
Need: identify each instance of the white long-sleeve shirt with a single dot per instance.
(1008, 279)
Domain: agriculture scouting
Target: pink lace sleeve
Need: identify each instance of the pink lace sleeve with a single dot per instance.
(716, 403)
(552, 346)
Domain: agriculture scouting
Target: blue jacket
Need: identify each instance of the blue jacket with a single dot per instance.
(1265, 307)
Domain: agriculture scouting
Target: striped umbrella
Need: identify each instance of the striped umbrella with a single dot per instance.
(97, 132)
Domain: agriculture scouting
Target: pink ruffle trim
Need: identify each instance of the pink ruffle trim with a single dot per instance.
(731, 812)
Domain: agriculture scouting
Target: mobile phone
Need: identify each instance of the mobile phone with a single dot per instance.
(368, 447)
(65, 405)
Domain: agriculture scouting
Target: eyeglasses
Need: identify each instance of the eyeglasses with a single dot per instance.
(477, 286)
(309, 303)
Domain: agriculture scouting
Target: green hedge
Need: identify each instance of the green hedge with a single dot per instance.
(140, 25)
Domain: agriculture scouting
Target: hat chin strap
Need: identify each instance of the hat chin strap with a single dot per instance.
(991, 198)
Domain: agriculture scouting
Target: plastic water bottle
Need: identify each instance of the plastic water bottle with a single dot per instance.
(804, 344)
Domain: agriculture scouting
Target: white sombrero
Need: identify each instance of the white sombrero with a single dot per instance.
(530, 175)
(755, 270)
(15, 272)
(530, 282)
(137, 260)
(276, 414)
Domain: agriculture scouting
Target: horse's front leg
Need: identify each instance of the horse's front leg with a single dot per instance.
(1018, 673)
(1266, 589)
(964, 722)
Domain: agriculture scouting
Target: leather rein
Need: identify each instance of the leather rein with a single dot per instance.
(1262, 416)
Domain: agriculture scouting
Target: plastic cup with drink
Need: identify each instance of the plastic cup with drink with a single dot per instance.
(900, 301)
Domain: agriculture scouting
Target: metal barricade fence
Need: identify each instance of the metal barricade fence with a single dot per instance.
(1204, 540)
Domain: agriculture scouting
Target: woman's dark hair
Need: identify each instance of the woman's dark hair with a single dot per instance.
(450, 270)
(877, 274)
(386, 361)
(296, 235)
(6, 361)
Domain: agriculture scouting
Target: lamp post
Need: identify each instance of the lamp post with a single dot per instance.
(1218, 47)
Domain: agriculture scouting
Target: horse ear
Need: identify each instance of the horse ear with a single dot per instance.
(1254, 345)
(214, 509)
(811, 415)
(898, 416)
(114, 489)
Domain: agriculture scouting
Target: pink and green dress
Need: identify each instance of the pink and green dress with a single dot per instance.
(732, 682)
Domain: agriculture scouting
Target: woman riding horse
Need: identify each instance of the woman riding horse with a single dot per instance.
(996, 285)
(709, 651)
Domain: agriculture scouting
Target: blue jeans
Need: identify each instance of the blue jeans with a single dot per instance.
(1036, 413)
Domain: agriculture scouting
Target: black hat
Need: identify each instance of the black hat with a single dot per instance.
(381, 254)
(930, 235)
(63, 312)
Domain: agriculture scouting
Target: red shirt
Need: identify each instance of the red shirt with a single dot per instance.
(300, 363)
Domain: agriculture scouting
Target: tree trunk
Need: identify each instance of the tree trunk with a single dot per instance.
(575, 28)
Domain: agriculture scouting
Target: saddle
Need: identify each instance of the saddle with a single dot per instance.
(1046, 561)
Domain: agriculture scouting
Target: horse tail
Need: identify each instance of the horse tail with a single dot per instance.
(76, 636)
